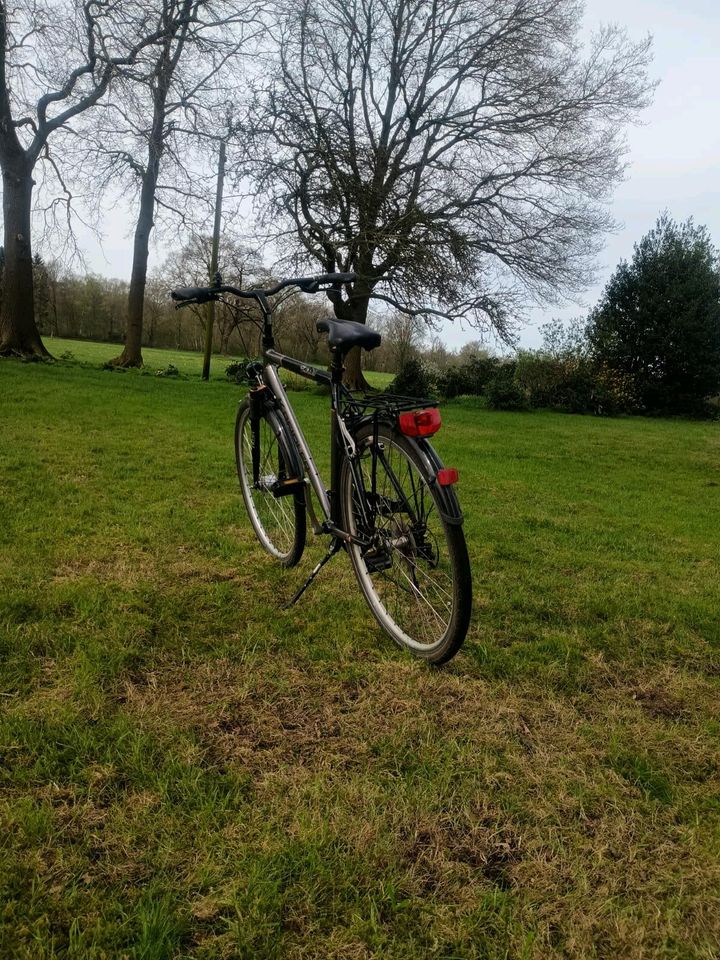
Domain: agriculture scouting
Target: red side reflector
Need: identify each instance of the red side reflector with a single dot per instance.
(420, 423)
(447, 476)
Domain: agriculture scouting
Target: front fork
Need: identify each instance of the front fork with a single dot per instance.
(257, 406)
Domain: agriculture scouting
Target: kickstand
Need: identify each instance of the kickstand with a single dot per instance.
(335, 546)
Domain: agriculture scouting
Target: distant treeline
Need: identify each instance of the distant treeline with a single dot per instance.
(92, 307)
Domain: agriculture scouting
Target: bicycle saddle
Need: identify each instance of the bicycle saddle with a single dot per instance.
(343, 335)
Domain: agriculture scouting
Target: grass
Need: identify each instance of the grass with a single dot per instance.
(189, 770)
(187, 362)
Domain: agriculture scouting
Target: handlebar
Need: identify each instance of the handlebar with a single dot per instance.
(194, 294)
(190, 295)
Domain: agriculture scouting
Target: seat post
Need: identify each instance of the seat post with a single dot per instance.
(337, 367)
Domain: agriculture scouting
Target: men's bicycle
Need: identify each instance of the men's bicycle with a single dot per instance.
(391, 504)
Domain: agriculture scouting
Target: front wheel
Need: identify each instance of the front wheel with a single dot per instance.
(415, 574)
(278, 520)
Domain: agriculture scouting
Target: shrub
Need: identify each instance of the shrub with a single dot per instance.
(454, 382)
(468, 378)
(503, 392)
(170, 371)
(575, 384)
(540, 376)
(480, 371)
(236, 371)
(577, 391)
(413, 380)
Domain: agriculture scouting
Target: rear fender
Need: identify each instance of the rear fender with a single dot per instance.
(449, 506)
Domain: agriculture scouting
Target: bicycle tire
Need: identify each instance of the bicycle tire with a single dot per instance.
(436, 560)
(279, 522)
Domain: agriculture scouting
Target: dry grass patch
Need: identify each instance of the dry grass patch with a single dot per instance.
(467, 788)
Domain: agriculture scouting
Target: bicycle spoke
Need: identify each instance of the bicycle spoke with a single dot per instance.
(275, 515)
(416, 590)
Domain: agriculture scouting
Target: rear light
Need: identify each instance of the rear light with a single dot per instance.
(420, 423)
(447, 476)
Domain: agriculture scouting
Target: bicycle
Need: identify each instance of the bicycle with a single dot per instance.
(391, 503)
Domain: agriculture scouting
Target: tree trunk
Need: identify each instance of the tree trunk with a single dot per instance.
(54, 326)
(19, 335)
(132, 352)
(353, 377)
(225, 334)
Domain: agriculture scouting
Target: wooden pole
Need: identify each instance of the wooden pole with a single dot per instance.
(214, 261)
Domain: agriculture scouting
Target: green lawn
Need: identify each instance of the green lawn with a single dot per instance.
(190, 770)
(188, 363)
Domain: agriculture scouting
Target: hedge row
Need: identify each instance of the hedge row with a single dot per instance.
(534, 380)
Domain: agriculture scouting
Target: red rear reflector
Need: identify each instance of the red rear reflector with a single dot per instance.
(447, 476)
(420, 423)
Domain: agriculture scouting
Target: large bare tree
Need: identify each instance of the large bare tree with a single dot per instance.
(167, 110)
(57, 60)
(456, 154)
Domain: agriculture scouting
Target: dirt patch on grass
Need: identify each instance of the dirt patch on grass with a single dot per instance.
(437, 849)
(122, 563)
(659, 703)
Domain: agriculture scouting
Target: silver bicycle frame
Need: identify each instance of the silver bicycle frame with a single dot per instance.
(274, 382)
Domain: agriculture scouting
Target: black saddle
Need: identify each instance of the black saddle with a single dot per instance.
(343, 335)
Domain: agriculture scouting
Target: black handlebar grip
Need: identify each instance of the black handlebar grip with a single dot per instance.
(191, 293)
(337, 278)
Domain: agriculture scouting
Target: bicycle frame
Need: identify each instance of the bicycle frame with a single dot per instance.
(342, 446)
(271, 378)
(341, 443)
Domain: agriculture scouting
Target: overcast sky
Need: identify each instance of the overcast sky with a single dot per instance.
(674, 156)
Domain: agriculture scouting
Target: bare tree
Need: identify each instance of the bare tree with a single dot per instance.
(404, 336)
(57, 60)
(146, 135)
(242, 267)
(458, 153)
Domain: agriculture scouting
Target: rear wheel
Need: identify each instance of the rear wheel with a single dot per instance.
(416, 574)
(278, 521)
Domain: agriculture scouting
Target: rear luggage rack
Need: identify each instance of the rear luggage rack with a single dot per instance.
(385, 405)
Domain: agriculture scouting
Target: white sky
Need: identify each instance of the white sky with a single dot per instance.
(674, 157)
